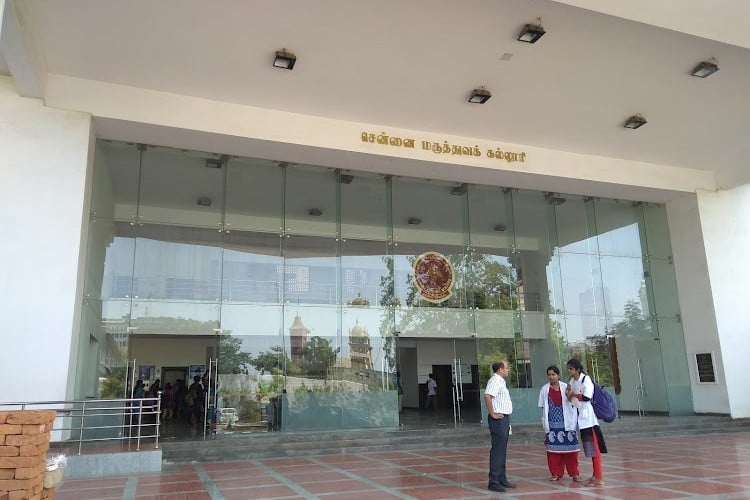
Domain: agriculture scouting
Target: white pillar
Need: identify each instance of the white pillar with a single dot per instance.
(44, 164)
(711, 243)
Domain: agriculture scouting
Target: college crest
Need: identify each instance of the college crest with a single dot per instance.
(433, 276)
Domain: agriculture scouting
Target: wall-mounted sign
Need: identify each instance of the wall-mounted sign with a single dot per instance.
(705, 365)
(433, 276)
(443, 148)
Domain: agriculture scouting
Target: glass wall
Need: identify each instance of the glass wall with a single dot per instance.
(326, 296)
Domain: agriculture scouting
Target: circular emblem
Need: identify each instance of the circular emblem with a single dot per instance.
(433, 275)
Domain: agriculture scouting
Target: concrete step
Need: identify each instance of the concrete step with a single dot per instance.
(281, 444)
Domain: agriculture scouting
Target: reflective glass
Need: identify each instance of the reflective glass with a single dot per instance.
(581, 280)
(196, 200)
(254, 195)
(663, 283)
(623, 286)
(657, 231)
(363, 207)
(619, 225)
(311, 270)
(310, 201)
(575, 233)
(252, 267)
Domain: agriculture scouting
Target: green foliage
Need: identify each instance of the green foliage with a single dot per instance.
(318, 357)
(232, 359)
(113, 386)
(273, 360)
(248, 410)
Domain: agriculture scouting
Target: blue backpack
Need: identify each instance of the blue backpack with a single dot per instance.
(603, 403)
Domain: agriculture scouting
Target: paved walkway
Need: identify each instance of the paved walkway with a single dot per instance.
(712, 466)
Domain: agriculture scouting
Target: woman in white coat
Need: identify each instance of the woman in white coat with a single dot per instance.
(559, 419)
(579, 393)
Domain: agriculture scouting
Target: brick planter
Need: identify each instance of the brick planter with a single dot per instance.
(24, 441)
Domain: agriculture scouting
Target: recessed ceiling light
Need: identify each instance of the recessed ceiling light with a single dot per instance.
(635, 121)
(531, 33)
(459, 190)
(315, 212)
(706, 68)
(479, 96)
(506, 57)
(499, 227)
(204, 201)
(213, 163)
(284, 59)
(414, 221)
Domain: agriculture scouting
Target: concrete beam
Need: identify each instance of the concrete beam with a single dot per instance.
(18, 49)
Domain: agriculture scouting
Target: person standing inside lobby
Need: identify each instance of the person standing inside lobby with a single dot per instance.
(431, 393)
(499, 408)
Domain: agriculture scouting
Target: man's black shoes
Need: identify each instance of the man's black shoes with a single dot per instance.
(496, 487)
(508, 485)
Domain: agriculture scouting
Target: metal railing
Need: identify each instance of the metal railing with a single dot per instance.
(130, 420)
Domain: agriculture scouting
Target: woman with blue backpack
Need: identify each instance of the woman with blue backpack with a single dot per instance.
(580, 393)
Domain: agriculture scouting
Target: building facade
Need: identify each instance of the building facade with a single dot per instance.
(334, 262)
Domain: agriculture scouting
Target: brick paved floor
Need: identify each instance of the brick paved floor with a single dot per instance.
(710, 466)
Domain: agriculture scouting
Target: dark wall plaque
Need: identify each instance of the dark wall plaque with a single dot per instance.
(705, 363)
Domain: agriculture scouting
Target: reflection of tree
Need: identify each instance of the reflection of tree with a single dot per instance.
(232, 359)
(634, 324)
(318, 357)
(272, 361)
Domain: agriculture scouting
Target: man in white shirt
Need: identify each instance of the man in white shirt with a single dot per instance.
(499, 407)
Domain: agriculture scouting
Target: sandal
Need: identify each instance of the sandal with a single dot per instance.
(577, 479)
(554, 478)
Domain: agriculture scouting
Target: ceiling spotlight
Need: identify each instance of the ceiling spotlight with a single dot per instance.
(284, 59)
(499, 227)
(635, 122)
(204, 201)
(414, 221)
(479, 96)
(459, 190)
(213, 163)
(706, 68)
(346, 178)
(555, 199)
(531, 32)
(315, 212)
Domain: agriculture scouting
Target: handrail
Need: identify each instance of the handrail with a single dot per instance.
(123, 418)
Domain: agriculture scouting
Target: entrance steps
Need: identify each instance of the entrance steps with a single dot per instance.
(285, 444)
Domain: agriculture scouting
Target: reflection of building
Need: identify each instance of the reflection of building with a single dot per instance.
(360, 350)
(298, 333)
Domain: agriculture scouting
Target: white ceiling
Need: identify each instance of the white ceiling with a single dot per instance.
(412, 64)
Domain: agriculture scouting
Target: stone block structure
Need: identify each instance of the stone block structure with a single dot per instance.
(24, 441)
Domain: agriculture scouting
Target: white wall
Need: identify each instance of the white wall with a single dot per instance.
(695, 288)
(44, 159)
(725, 219)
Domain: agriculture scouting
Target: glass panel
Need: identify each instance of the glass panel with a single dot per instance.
(252, 267)
(174, 317)
(574, 234)
(419, 228)
(177, 263)
(116, 178)
(582, 284)
(657, 231)
(310, 270)
(365, 274)
(641, 375)
(251, 368)
(619, 225)
(115, 323)
(623, 286)
(196, 200)
(254, 195)
(676, 372)
(110, 259)
(363, 207)
(664, 285)
(537, 271)
(310, 201)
